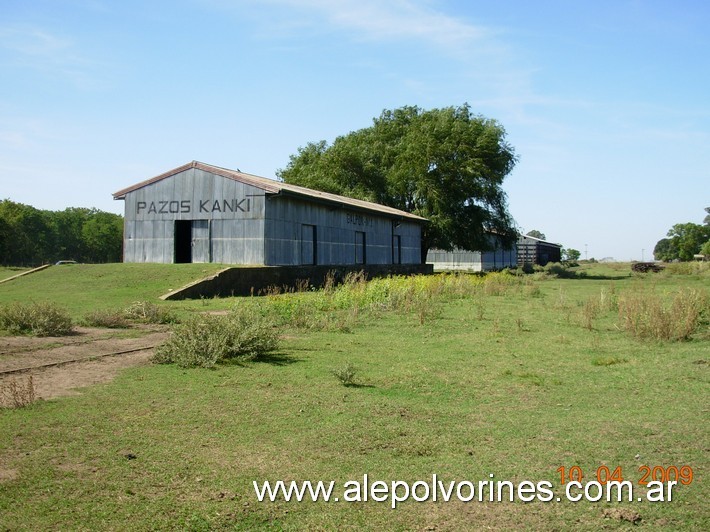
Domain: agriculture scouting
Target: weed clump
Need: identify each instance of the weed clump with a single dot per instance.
(17, 394)
(37, 319)
(147, 312)
(345, 374)
(205, 340)
(110, 319)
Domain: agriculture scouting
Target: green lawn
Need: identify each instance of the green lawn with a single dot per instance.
(82, 288)
(9, 271)
(515, 383)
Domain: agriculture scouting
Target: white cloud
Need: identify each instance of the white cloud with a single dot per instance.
(370, 20)
(400, 19)
(45, 52)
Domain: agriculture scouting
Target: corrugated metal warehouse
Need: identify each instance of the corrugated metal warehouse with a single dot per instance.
(532, 250)
(202, 213)
(474, 261)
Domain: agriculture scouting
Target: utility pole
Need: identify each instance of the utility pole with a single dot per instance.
(585, 252)
(642, 255)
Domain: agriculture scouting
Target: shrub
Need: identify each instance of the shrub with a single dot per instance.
(39, 319)
(345, 374)
(111, 319)
(204, 340)
(649, 316)
(147, 312)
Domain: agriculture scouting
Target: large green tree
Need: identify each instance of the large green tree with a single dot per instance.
(684, 241)
(447, 165)
(571, 254)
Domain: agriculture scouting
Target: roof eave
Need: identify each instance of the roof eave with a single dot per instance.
(350, 206)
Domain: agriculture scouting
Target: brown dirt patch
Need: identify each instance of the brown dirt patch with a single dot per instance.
(87, 357)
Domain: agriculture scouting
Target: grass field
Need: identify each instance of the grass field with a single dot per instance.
(515, 379)
(82, 288)
(9, 271)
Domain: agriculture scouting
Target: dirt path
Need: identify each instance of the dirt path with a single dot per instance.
(63, 379)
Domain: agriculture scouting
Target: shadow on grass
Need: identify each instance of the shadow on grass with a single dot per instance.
(603, 277)
(276, 359)
(355, 385)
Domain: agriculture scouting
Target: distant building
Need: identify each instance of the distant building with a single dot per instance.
(528, 251)
(202, 213)
(475, 261)
(533, 251)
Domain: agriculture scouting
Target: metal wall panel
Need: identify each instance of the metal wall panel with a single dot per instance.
(150, 241)
(201, 240)
(336, 228)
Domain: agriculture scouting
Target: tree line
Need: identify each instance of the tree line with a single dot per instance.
(31, 237)
(684, 241)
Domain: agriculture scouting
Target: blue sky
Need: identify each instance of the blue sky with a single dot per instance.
(607, 102)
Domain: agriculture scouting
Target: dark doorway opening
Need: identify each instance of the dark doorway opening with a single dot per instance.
(309, 252)
(396, 249)
(183, 241)
(360, 248)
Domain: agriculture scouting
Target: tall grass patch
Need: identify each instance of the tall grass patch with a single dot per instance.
(340, 306)
(650, 316)
(699, 269)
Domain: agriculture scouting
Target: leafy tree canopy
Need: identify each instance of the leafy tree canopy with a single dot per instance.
(447, 165)
(571, 255)
(684, 240)
(688, 238)
(664, 250)
(536, 234)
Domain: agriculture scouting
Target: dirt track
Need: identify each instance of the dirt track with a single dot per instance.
(91, 345)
